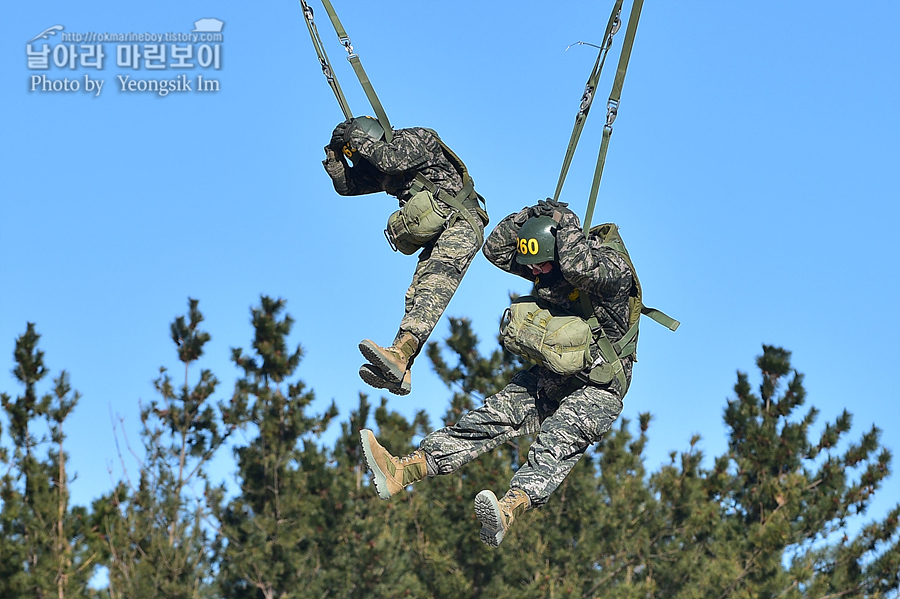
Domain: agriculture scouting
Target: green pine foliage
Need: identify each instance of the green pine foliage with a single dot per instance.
(270, 542)
(366, 540)
(777, 515)
(47, 548)
(156, 530)
(760, 522)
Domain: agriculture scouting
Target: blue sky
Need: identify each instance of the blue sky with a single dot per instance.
(752, 172)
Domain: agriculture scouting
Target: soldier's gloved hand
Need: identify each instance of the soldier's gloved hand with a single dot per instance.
(337, 136)
(333, 164)
(352, 130)
(523, 215)
(354, 137)
(548, 207)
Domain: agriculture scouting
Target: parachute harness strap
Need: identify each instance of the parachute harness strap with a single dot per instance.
(323, 60)
(625, 345)
(612, 108)
(587, 98)
(612, 353)
(353, 57)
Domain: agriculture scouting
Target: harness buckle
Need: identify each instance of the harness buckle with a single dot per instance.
(586, 100)
(615, 28)
(345, 42)
(389, 240)
(612, 110)
(326, 70)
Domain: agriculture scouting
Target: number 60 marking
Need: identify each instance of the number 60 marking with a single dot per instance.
(528, 246)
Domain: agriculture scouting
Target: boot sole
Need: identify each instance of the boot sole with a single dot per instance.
(371, 352)
(378, 477)
(487, 509)
(374, 378)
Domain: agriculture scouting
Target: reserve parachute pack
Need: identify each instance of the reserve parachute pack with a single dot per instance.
(561, 342)
(423, 217)
(540, 332)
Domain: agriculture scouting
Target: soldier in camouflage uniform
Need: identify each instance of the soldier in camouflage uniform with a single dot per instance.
(568, 413)
(392, 167)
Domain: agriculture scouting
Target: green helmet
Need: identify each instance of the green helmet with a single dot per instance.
(370, 127)
(537, 241)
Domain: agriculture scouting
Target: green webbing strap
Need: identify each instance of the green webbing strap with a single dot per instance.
(360, 72)
(323, 60)
(612, 108)
(598, 174)
(616, 245)
(588, 308)
(611, 28)
(380, 114)
(661, 317)
(633, 19)
(457, 203)
(462, 211)
(628, 343)
(612, 366)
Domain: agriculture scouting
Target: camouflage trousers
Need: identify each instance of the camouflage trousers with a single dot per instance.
(442, 264)
(568, 416)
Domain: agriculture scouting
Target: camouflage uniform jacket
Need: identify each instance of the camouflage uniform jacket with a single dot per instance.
(582, 264)
(391, 167)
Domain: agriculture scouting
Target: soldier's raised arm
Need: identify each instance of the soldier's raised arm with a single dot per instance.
(347, 181)
(404, 153)
(598, 271)
(359, 180)
(500, 246)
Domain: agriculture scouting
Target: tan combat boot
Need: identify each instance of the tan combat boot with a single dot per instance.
(497, 516)
(373, 377)
(390, 474)
(392, 361)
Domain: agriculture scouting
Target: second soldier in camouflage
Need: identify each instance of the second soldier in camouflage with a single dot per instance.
(568, 413)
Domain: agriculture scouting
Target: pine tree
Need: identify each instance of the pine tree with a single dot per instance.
(774, 517)
(760, 522)
(47, 548)
(157, 531)
(789, 496)
(268, 532)
(366, 542)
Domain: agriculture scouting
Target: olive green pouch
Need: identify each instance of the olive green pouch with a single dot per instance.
(560, 343)
(419, 221)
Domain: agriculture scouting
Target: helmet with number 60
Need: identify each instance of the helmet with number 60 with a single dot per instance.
(537, 241)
